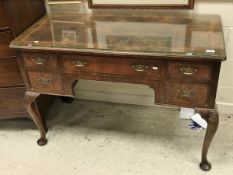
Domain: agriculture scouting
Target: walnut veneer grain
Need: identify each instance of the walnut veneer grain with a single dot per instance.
(178, 56)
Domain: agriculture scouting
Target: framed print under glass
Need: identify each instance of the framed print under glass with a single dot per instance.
(188, 4)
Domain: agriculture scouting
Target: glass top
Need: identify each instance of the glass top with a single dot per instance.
(127, 32)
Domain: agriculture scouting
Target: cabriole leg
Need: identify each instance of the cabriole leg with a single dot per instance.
(32, 110)
(212, 118)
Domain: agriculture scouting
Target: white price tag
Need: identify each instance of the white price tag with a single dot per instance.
(210, 51)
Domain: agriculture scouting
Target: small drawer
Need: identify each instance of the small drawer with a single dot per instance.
(41, 61)
(5, 39)
(45, 82)
(187, 94)
(189, 70)
(3, 18)
(12, 100)
(141, 69)
(9, 73)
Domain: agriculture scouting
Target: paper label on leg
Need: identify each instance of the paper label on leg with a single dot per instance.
(199, 120)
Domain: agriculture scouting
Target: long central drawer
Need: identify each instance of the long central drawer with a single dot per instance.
(141, 69)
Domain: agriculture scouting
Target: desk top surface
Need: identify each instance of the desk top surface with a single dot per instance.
(125, 32)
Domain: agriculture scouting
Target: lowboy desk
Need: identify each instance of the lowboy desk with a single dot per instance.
(179, 56)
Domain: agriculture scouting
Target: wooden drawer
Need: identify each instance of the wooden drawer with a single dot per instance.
(187, 94)
(9, 73)
(45, 82)
(5, 39)
(12, 100)
(3, 18)
(141, 69)
(189, 70)
(41, 61)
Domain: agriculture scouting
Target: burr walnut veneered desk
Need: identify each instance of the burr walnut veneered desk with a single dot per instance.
(179, 56)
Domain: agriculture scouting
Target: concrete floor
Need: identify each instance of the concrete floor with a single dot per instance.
(97, 138)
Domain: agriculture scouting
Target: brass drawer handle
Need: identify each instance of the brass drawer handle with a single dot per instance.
(79, 63)
(186, 93)
(187, 70)
(140, 67)
(45, 81)
(39, 60)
